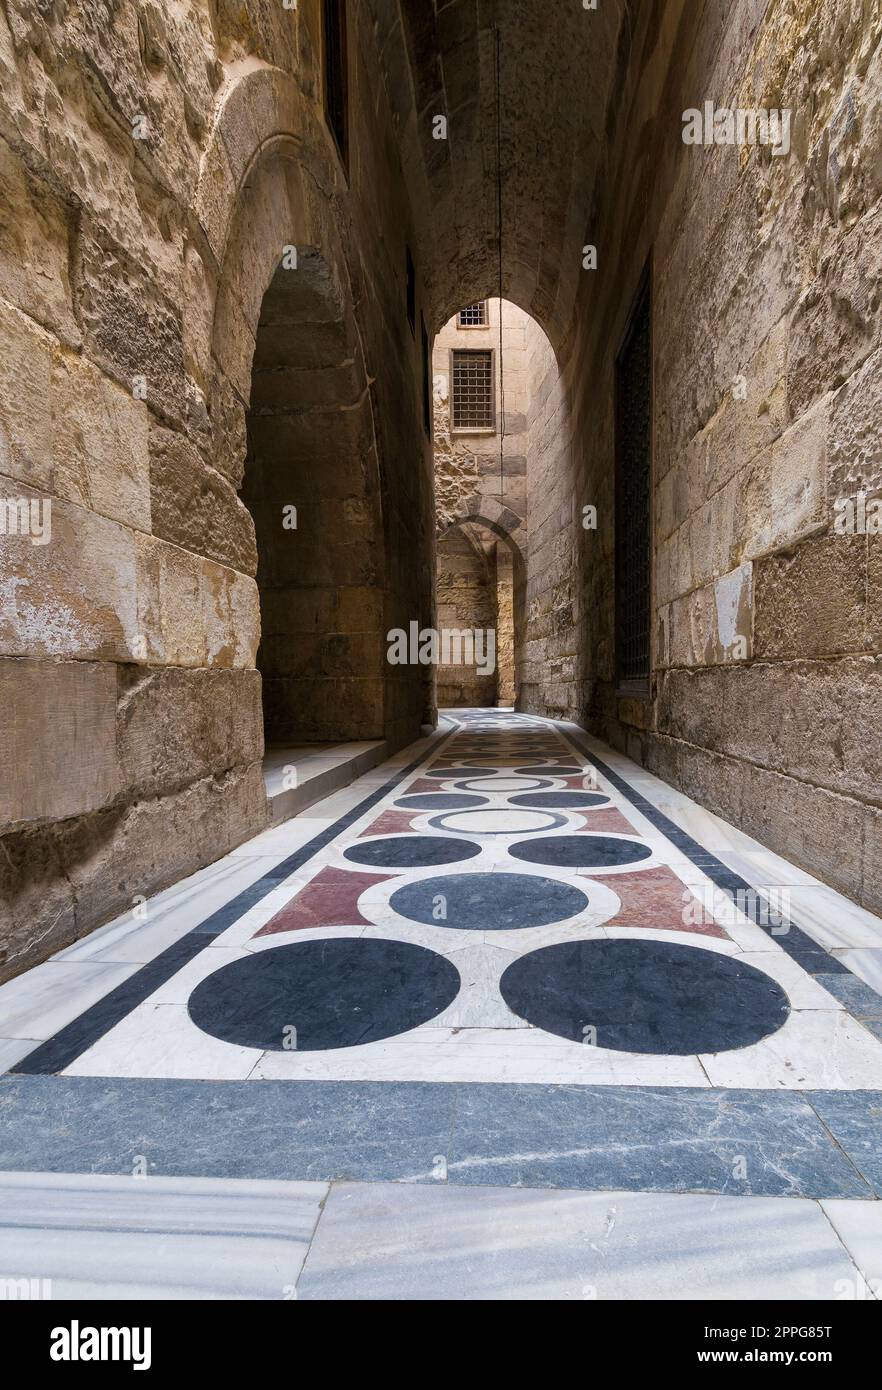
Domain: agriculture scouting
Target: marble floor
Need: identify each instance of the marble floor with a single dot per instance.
(508, 909)
(74, 1236)
(513, 956)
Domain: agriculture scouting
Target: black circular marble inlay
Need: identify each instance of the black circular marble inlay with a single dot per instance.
(488, 902)
(440, 801)
(550, 771)
(454, 772)
(508, 758)
(644, 996)
(581, 851)
(336, 992)
(558, 801)
(410, 851)
(491, 750)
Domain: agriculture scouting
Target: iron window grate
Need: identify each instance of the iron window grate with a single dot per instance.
(473, 315)
(633, 495)
(472, 373)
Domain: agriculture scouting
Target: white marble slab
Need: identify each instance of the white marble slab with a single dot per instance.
(162, 1040)
(762, 867)
(166, 917)
(801, 989)
(832, 920)
(96, 1237)
(178, 989)
(859, 1227)
(13, 1049)
(39, 1002)
(479, 1003)
(281, 840)
(433, 1053)
(387, 1241)
(816, 1049)
(866, 963)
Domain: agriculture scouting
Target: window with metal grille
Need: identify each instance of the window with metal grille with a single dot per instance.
(633, 494)
(471, 375)
(473, 316)
(336, 75)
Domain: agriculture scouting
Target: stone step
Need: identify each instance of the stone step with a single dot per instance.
(316, 770)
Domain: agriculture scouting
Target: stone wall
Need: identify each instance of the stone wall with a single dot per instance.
(311, 485)
(482, 477)
(471, 478)
(506, 684)
(766, 693)
(466, 592)
(155, 161)
(554, 574)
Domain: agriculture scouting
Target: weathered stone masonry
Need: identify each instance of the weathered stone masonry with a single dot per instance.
(132, 275)
(481, 490)
(766, 694)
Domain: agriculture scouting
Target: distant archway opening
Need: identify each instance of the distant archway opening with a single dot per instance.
(485, 364)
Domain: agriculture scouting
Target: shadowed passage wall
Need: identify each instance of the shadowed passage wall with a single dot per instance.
(311, 486)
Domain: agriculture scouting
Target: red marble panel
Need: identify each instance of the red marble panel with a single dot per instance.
(330, 900)
(390, 823)
(655, 898)
(607, 818)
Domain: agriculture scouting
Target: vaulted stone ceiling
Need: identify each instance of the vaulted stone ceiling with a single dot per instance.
(558, 66)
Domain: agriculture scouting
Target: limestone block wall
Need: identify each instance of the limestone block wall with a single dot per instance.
(767, 330)
(554, 575)
(320, 575)
(468, 464)
(466, 592)
(506, 683)
(154, 162)
(476, 480)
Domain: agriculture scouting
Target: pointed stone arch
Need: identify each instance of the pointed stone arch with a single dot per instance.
(290, 409)
(501, 520)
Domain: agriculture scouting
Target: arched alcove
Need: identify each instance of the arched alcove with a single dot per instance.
(309, 486)
(292, 416)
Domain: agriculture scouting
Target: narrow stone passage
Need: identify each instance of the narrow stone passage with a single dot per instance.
(440, 645)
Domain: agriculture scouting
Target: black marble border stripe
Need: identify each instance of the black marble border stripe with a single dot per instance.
(816, 1144)
(71, 1041)
(860, 1000)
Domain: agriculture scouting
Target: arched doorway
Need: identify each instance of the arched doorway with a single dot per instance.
(482, 363)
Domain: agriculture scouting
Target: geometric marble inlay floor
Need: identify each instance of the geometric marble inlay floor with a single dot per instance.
(507, 908)
(509, 967)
